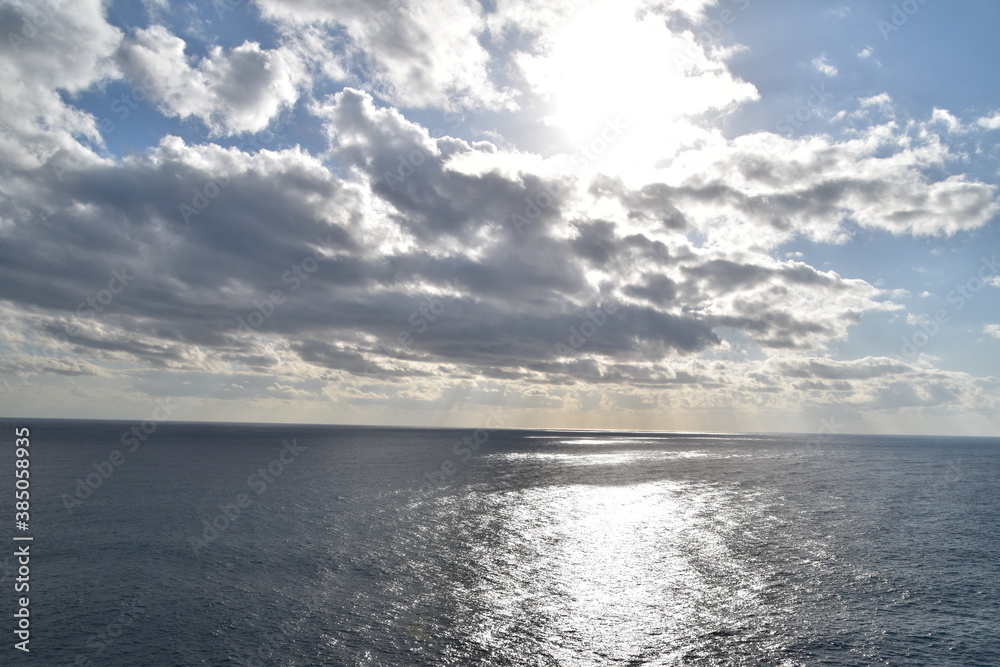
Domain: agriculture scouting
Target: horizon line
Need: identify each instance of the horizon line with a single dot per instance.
(506, 428)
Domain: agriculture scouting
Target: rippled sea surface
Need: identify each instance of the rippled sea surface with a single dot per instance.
(369, 546)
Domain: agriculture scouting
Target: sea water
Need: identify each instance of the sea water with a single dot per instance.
(235, 544)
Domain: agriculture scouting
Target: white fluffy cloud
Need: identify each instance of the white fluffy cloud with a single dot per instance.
(47, 49)
(233, 91)
(761, 189)
(421, 54)
(822, 65)
(990, 122)
(948, 120)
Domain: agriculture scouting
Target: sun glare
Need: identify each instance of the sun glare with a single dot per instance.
(612, 76)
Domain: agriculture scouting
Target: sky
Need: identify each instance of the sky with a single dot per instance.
(689, 215)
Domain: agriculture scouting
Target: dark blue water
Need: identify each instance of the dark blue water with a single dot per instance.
(531, 548)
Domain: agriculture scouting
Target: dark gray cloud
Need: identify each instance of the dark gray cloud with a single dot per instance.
(231, 254)
(860, 369)
(408, 169)
(657, 289)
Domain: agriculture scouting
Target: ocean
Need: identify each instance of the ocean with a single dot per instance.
(237, 544)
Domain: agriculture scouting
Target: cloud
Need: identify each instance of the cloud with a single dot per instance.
(484, 300)
(564, 71)
(951, 123)
(67, 53)
(421, 54)
(857, 369)
(239, 90)
(896, 395)
(881, 101)
(990, 122)
(761, 189)
(19, 364)
(992, 330)
(823, 66)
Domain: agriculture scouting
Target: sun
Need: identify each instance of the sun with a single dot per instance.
(608, 63)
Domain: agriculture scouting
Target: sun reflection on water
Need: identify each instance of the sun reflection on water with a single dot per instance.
(613, 572)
